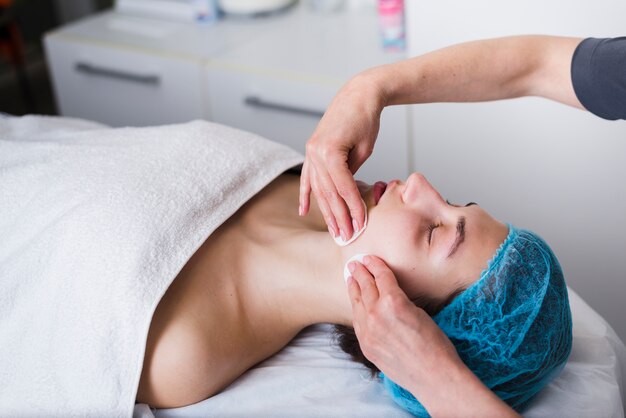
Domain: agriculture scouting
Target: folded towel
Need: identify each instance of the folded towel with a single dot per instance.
(95, 224)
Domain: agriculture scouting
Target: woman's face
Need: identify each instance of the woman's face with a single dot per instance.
(432, 247)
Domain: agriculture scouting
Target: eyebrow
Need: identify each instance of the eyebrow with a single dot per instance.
(464, 206)
(460, 236)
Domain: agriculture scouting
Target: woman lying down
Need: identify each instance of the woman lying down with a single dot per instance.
(157, 265)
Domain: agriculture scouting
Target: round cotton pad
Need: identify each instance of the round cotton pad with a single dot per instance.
(356, 257)
(340, 241)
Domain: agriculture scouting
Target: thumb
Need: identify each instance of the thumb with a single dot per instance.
(385, 279)
(358, 155)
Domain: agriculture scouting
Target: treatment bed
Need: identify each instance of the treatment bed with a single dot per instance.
(76, 346)
(313, 378)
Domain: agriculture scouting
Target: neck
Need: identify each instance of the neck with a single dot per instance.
(323, 290)
(305, 284)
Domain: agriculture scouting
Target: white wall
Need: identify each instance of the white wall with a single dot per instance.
(543, 166)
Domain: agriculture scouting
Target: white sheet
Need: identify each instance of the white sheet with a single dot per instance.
(95, 223)
(47, 370)
(313, 378)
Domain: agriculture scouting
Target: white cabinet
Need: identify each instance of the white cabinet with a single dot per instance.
(279, 84)
(284, 110)
(287, 110)
(274, 76)
(123, 87)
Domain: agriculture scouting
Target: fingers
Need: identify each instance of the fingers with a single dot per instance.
(324, 208)
(367, 285)
(342, 141)
(305, 190)
(363, 294)
(328, 176)
(354, 291)
(336, 204)
(386, 281)
(346, 187)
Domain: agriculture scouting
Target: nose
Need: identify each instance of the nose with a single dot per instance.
(417, 188)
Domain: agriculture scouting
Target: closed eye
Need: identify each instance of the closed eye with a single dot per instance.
(431, 229)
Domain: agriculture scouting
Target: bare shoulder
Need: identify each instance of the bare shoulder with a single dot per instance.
(207, 329)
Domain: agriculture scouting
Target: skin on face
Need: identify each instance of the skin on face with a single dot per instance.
(413, 229)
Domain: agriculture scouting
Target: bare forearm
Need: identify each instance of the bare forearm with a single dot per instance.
(464, 395)
(476, 71)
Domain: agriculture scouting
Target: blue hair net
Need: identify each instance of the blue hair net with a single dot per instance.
(512, 327)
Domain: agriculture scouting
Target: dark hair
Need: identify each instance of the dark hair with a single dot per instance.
(346, 338)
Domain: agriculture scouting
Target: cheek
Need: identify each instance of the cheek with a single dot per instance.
(395, 239)
(413, 277)
(388, 233)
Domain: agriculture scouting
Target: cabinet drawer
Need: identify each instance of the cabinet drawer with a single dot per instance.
(287, 110)
(122, 87)
(283, 110)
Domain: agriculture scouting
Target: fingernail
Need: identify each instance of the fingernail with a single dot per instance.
(332, 232)
(367, 259)
(355, 225)
(346, 266)
(351, 267)
(343, 235)
(300, 210)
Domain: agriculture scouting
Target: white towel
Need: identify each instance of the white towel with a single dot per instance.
(95, 223)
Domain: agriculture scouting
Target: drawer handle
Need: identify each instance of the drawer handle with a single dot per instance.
(89, 69)
(257, 102)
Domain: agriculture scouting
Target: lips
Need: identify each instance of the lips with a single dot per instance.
(379, 190)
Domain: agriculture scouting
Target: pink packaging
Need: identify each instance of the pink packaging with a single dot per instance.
(391, 17)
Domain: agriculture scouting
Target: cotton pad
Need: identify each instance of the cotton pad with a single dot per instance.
(356, 257)
(340, 241)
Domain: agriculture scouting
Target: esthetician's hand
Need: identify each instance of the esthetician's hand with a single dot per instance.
(405, 343)
(341, 143)
(398, 337)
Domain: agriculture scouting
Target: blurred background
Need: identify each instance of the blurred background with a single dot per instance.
(273, 66)
(25, 85)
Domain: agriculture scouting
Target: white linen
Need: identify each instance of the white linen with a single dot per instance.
(95, 223)
(74, 318)
(312, 378)
(592, 384)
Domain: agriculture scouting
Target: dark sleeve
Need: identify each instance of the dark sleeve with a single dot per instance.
(599, 76)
